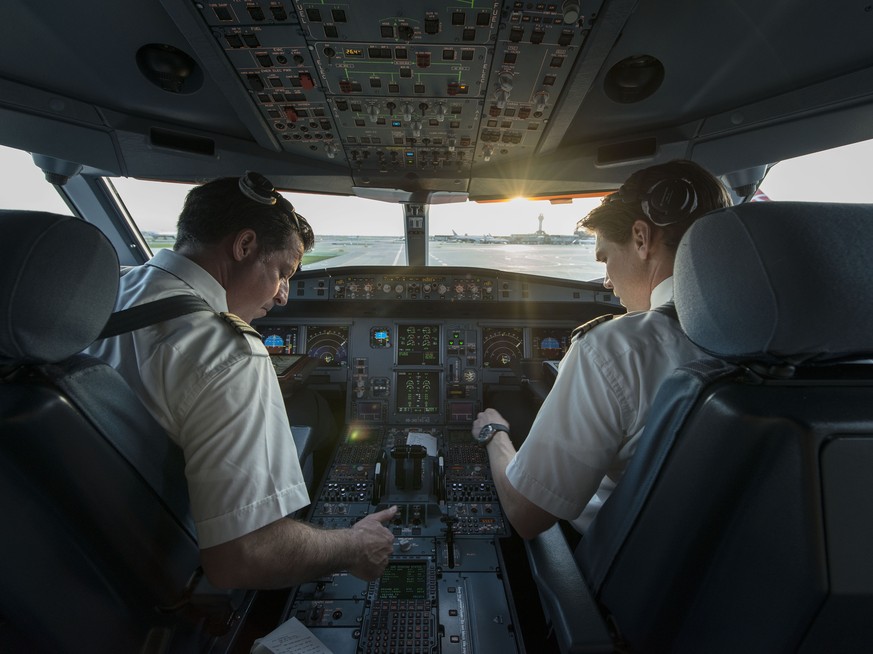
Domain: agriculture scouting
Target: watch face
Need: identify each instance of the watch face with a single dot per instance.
(486, 434)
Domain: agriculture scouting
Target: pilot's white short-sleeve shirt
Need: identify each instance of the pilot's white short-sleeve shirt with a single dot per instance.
(591, 422)
(215, 392)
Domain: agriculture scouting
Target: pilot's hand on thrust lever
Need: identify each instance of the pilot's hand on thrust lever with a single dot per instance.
(375, 544)
(487, 417)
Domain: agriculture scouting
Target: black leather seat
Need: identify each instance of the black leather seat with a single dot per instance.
(744, 522)
(99, 552)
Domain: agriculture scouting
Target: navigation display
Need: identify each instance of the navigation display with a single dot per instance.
(418, 391)
(418, 345)
(502, 347)
(328, 344)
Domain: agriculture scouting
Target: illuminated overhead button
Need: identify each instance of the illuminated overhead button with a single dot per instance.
(290, 114)
(306, 81)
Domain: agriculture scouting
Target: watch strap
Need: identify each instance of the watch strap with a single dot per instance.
(494, 428)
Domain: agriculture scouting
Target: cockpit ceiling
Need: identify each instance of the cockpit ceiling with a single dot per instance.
(488, 99)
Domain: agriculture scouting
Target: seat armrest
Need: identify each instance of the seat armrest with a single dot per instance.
(566, 598)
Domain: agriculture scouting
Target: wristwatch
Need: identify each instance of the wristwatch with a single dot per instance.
(488, 431)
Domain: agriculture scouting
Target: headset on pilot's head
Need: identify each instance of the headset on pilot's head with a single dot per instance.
(666, 202)
(258, 188)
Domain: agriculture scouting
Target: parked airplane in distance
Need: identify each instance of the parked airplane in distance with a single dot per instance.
(159, 236)
(481, 238)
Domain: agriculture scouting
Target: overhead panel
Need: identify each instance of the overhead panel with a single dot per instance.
(407, 98)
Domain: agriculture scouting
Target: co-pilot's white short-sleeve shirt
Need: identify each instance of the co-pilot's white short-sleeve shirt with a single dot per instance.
(591, 422)
(215, 392)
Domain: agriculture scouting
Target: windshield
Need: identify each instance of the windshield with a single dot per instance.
(518, 235)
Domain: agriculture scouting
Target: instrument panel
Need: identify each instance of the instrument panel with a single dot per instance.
(415, 355)
(446, 585)
(416, 371)
(446, 286)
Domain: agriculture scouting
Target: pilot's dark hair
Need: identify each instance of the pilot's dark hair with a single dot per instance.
(615, 216)
(219, 208)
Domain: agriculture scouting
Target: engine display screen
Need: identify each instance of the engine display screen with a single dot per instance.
(418, 345)
(279, 339)
(404, 581)
(418, 391)
(549, 343)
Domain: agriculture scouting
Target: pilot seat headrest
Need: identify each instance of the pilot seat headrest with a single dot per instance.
(778, 282)
(60, 280)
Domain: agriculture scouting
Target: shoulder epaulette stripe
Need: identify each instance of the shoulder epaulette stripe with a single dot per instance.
(591, 324)
(239, 324)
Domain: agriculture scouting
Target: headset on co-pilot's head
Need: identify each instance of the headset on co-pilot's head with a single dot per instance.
(666, 202)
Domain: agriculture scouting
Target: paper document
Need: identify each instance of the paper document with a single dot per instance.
(291, 637)
(427, 440)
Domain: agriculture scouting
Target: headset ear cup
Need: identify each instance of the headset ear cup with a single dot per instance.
(258, 188)
(669, 201)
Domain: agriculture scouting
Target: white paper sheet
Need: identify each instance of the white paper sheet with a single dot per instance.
(291, 637)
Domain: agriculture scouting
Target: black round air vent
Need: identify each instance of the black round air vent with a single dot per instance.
(634, 79)
(169, 68)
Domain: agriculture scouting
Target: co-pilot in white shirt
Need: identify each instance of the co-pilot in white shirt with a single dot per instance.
(215, 392)
(590, 423)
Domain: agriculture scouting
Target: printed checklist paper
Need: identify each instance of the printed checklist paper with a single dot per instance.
(291, 637)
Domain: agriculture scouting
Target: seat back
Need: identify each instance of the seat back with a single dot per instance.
(99, 553)
(744, 521)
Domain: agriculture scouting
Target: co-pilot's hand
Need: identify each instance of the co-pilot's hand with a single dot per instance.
(486, 417)
(375, 544)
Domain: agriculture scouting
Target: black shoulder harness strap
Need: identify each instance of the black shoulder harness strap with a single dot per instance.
(150, 313)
